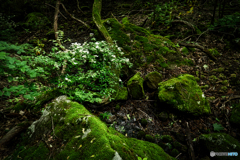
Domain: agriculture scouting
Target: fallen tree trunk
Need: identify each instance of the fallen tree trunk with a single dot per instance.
(14, 132)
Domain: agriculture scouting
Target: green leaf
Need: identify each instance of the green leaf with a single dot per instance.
(7, 94)
(1, 93)
(11, 66)
(3, 55)
(27, 96)
(217, 127)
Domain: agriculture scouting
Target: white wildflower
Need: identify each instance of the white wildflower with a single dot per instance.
(203, 95)
(67, 79)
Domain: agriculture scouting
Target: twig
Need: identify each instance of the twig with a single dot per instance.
(202, 34)
(55, 8)
(80, 8)
(199, 47)
(74, 17)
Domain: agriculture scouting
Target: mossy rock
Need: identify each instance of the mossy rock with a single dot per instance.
(184, 94)
(152, 79)
(137, 42)
(122, 94)
(166, 138)
(84, 137)
(135, 85)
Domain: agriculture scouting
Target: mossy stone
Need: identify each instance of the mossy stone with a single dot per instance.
(149, 138)
(144, 122)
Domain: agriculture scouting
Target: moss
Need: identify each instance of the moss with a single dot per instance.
(135, 84)
(213, 79)
(218, 70)
(122, 94)
(223, 89)
(214, 52)
(149, 138)
(174, 152)
(222, 76)
(35, 151)
(117, 107)
(184, 94)
(225, 82)
(204, 87)
(233, 76)
(166, 138)
(202, 76)
(143, 122)
(141, 134)
(185, 51)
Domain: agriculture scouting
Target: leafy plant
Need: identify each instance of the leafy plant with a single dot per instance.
(105, 115)
(217, 127)
(227, 23)
(163, 13)
(139, 158)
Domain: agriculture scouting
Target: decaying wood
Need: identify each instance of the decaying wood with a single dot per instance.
(199, 47)
(14, 132)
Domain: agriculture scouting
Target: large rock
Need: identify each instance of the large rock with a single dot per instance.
(67, 130)
(135, 86)
(184, 94)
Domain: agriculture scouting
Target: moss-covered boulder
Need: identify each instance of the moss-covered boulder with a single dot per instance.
(184, 94)
(141, 46)
(219, 142)
(152, 79)
(135, 86)
(74, 133)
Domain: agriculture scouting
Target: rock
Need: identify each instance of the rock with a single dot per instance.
(135, 86)
(122, 94)
(152, 79)
(184, 94)
(80, 135)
